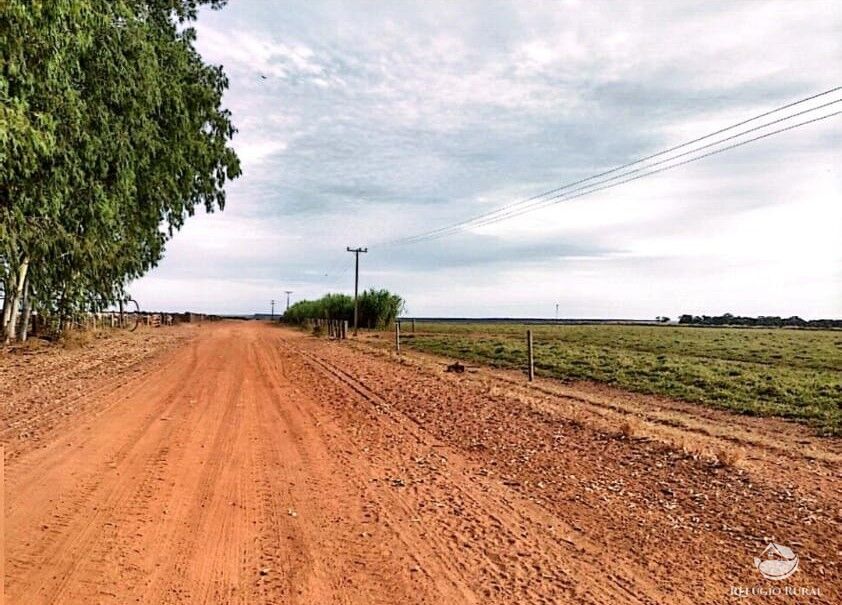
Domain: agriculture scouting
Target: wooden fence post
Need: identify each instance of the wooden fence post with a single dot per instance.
(531, 368)
(413, 325)
(398, 337)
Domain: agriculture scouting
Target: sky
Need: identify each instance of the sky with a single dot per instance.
(362, 122)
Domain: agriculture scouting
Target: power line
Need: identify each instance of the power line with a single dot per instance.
(504, 210)
(537, 202)
(566, 196)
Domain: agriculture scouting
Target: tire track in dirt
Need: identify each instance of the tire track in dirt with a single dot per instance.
(166, 532)
(261, 466)
(43, 389)
(464, 515)
(190, 486)
(74, 522)
(699, 523)
(361, 573)
(512, 544)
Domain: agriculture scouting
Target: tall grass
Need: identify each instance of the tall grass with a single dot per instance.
(377, 308)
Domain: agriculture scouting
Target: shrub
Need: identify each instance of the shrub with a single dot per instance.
(377, 308)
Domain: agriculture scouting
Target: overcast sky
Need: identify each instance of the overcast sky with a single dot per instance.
(377, 120)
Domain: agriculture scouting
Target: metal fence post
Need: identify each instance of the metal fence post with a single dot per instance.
(398, 337)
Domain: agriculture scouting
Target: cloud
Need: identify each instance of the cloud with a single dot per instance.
(377, 121)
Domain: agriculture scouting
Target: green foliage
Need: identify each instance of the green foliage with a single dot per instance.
(729, 319)
(377, 308)
(769, 372)
(111, 133)
(330, 306)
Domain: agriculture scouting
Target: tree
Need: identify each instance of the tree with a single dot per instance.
(111, 133)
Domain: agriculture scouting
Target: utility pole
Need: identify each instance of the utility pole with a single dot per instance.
(288, 292)
(273, 309)
(356, 252)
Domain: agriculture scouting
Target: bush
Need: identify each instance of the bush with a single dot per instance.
(377, 308)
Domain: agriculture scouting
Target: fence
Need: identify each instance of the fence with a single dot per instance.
(529, 357)
(335, 328)
(41, 326)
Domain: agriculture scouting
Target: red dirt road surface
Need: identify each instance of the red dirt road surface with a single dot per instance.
(246, 463)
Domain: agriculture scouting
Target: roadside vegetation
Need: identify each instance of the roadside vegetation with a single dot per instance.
(377, 309)
(111, 135)
(795, 374)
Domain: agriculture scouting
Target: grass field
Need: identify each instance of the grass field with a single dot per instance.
(794, 374)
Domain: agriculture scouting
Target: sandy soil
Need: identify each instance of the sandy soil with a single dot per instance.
(43, 386)
(246, 463)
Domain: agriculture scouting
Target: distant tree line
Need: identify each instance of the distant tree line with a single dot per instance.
(772, 321)
(111, 135)
(377, 308)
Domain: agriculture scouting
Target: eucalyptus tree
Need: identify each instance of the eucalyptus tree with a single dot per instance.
(111, 134)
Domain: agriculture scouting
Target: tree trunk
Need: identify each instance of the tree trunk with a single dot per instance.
(61, 313)
(27, 312)
(11, 326)
(7, 307)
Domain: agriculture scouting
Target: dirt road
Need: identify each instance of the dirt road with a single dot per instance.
(253, 464)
